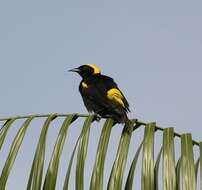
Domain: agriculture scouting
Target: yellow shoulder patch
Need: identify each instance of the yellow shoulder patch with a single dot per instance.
(115, 94)
(84, 85)
(96, 69)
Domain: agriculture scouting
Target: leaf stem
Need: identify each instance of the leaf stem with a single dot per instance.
(137, 123)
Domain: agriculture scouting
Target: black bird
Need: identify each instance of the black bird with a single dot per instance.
(101, 94)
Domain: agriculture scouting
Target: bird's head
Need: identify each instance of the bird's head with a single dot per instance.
(87, 70)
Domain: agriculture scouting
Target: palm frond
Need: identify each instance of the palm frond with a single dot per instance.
(182, 174)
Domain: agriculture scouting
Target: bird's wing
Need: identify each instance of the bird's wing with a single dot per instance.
(102, 92)
(115, 94)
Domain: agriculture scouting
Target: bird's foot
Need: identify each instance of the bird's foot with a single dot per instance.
(97, 117)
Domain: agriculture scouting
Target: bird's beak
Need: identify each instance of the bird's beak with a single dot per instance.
(74, 70)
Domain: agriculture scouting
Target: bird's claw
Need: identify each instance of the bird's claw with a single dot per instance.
(97, 117)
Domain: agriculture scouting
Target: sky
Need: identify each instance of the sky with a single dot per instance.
(152, 49)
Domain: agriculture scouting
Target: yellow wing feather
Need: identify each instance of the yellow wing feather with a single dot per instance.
(115, 94)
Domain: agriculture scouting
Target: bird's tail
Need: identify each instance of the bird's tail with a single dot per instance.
(129, 125)
(123, 118)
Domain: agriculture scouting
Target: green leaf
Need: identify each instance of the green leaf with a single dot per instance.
(84, 130)
(81, 154)
(4, 130)
(169, 175)
(13, 153)
(98, 170)
(178, 168)
(200, 146)
(36, 173)
(51, 175)
(66, 182)
(196, 168)
(116, 177)
(130, 178)
(188, 167)
(148, 158)
(156, 170)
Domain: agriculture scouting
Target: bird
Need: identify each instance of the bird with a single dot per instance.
(101, 95)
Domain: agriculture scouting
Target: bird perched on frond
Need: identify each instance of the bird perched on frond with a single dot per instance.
(101, 94)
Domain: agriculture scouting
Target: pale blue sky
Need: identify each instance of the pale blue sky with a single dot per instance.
(153, 50)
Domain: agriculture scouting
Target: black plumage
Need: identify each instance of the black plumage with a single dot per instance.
(101, 94)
